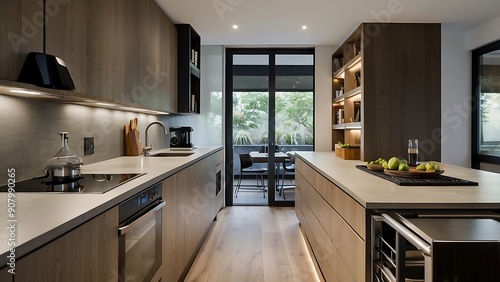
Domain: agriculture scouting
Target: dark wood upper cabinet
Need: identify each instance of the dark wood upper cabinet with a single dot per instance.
(118, 51)
(188, 67)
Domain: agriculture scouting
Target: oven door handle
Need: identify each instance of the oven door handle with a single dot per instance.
(126, 228)
(410, 236)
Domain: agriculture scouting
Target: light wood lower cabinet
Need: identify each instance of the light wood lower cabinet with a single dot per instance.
(191, 207)
(334, 224)
(87, 253)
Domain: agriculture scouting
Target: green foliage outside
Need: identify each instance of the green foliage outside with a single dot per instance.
(294, 118)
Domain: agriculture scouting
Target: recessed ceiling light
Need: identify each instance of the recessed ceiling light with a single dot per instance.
(235, 26)
(304, 27)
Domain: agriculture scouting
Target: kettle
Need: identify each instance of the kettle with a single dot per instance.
(64, 164)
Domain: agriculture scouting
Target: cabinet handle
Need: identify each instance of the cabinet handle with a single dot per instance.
(125, 229)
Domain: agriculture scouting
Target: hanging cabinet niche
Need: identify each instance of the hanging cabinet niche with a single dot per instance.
(189, 66)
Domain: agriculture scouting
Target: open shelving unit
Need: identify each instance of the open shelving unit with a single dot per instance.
(189, 66)
(385, 76)
(347, 90)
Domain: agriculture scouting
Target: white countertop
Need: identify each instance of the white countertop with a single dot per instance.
(374, 192)
(42, 217)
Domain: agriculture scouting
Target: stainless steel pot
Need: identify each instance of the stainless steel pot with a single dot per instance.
(69, 171)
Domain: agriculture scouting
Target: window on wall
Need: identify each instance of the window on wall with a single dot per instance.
(486, 110)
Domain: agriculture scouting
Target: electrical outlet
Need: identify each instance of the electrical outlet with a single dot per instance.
(88, 145)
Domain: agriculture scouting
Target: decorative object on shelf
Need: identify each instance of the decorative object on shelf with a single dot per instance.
(358, 78)
(349, 51)
(340, 116)
(357, 111)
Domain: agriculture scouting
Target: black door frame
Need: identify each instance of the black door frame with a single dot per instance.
(228, 121)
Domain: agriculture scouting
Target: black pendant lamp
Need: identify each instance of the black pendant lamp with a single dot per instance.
(46, 70)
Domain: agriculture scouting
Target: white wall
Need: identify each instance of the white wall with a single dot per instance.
(323, 101)
(456, 44)
(455, 97)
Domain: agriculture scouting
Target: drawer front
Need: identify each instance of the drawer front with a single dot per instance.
(350, 210)
(336, 243)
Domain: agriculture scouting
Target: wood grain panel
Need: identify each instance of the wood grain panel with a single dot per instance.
(382, 90)
(102, 48)
(5, 275)
(329, 259)
(174, 259)
(340, 217)
(168, 64)
(191, 208)
(87, 253)
(22, 32)
(66, 38)
(347, 207)
(421, 88)
(149, 51)
(128, 35)
(10, 39)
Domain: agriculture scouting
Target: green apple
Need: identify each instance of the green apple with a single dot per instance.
(403, 167)
(421, 167)
(393, 163)
(429, 166)
(385, 164)
(437, 167)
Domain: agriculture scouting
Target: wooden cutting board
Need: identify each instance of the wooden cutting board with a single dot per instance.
(133, 145)
(126, 131)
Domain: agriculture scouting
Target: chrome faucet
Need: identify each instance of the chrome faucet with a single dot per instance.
(148, 148)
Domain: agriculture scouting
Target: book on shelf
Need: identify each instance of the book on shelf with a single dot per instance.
(337, 64)
(349, 51)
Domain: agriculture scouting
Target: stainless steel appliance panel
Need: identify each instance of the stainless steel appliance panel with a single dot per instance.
(140, 249)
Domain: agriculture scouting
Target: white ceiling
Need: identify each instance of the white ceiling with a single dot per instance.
(329, 22)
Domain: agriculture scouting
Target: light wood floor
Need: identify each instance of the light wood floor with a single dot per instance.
(249, 243)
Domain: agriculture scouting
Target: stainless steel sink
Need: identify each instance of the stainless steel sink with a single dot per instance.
(172, 154)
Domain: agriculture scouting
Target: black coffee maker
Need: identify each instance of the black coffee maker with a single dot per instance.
(180, 137)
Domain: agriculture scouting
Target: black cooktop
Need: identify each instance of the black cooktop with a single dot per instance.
(86, 183)
(437, 180)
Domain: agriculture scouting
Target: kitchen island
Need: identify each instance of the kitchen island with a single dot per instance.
(335, 203)
(40, 218)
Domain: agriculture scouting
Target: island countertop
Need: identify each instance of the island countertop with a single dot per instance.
(373, 192)
(41, 217)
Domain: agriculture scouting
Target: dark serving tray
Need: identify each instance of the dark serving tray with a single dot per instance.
(437, 180)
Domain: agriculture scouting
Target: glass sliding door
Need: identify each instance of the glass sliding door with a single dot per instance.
(269, 116)
(250, 116)
(294, 115)
(486, 107)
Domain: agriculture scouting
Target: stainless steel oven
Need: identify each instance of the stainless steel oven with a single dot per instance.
(140, 235)
(436, 246)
